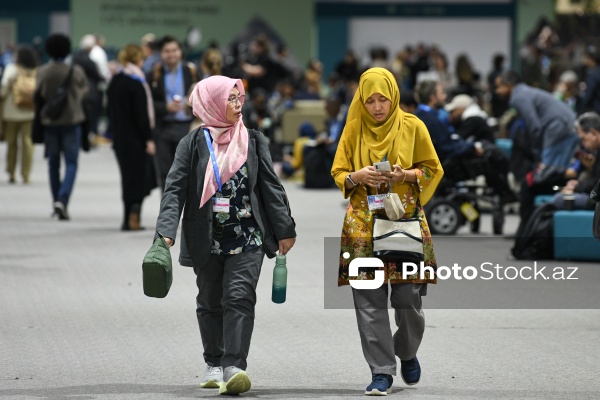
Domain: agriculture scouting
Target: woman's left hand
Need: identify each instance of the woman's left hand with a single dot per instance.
(285, 245)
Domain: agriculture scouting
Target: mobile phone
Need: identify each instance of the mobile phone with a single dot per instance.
(383, 166)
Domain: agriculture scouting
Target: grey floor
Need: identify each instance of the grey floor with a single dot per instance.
(74, 323)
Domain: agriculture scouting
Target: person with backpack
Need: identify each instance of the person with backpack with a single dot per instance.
(16, 89)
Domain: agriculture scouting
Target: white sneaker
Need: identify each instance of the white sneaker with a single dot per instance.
(213, 377)
(236, 381)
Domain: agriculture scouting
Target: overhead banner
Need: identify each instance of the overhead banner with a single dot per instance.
(122, 22)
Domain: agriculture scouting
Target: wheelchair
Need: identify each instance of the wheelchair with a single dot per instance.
(460, 199)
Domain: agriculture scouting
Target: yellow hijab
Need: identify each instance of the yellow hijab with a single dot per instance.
(402, 138)
(377, 137)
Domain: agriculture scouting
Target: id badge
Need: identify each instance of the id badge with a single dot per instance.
(375, 201)
(220, 204)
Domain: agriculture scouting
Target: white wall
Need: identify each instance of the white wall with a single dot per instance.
(479, 38)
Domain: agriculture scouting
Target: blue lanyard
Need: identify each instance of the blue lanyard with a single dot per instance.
(213, 158)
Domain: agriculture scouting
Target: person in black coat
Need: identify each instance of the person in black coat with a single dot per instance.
(131, 117)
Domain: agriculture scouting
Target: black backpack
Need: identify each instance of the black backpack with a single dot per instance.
(535, 238)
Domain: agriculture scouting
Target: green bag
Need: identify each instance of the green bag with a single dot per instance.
(157, 269)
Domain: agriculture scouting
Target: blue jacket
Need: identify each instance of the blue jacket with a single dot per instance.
(446, 145)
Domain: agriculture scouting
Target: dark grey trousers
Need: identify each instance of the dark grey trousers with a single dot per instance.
(379, 347)
(225, 306)
(167, 138)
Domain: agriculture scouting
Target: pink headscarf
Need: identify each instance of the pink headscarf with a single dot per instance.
(230, 141)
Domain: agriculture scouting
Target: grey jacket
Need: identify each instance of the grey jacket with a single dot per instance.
(183, 189)
(548, 120)
(52, 75)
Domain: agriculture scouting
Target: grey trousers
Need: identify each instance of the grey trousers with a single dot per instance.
(378, 345)
(225, 306)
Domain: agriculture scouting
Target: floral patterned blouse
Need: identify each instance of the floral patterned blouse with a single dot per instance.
(237, 230)
(357, 231)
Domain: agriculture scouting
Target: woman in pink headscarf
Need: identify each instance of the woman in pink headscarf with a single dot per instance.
(235, 211)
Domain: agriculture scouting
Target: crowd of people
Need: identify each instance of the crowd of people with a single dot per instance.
(429, 124)
(464, 111)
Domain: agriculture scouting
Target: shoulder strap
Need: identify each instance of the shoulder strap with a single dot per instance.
(67, 82)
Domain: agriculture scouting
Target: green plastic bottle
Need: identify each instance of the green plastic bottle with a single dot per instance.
(279, 280)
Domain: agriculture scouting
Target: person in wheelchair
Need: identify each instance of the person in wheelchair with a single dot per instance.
(462, 159)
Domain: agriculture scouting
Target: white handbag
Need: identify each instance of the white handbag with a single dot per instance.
(397, 241)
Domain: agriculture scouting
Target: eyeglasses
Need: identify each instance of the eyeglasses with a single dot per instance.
(233, 99)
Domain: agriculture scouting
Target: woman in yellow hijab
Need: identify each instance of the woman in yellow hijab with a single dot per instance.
(378, 130)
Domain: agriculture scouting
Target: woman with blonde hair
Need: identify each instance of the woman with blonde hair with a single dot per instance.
(131, 118)
(378, 130)
(211, 63)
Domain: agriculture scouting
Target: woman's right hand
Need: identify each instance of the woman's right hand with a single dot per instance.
(169, 241)
(369, 176)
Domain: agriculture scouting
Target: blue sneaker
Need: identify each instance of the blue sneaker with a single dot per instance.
(410, 371)
(380, 386)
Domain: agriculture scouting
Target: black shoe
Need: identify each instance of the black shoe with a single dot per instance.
(61, 210)
(410, 371)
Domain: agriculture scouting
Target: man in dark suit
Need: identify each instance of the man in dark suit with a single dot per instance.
(170, 81)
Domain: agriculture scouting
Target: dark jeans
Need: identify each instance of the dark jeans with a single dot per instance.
(66, 140)
(225, 306)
